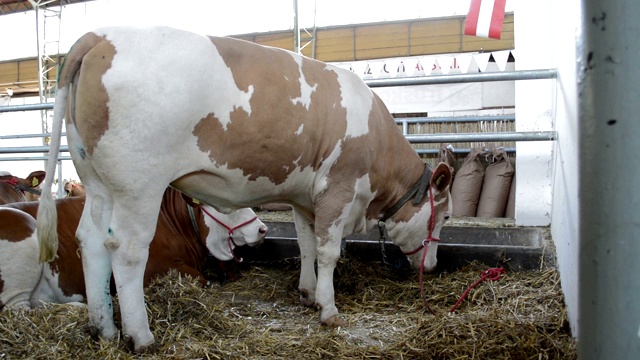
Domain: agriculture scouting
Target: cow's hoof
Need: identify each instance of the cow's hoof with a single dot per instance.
(335, 321)
(306, 299)
(94, 332)
(131, 346)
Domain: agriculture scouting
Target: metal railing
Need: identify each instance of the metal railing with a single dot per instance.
(413, 138)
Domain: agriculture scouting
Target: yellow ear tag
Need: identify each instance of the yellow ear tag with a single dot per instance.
(34, 182)
(439, 180)
(195, 201)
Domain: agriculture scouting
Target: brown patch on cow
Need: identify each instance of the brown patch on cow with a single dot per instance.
(16, 225)
(9, 194)
(268, 134)
(176, 244)
(90, 58)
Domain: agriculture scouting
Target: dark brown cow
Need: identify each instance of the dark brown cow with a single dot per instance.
(180, 243)
(15, 189)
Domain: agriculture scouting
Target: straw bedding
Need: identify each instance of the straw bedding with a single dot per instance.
(520, 316)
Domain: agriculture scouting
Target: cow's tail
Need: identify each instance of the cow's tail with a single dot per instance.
(47, 220)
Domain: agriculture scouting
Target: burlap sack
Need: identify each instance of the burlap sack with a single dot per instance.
(446, 156)
(496, 185)
(467, 184)
(511, 203)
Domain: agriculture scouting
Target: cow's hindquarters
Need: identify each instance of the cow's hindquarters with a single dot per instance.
(20, 270)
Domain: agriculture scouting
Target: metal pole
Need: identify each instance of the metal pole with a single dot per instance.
(296, 28)
(482, 137)
(30, 158)
(450, 119)
(26, 136)
(29, 107)
(609, 211)
(30, 149)
(463, 151)
(465, 78)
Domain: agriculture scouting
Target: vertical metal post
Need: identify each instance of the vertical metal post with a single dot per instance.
(609, 261)
(296, 28)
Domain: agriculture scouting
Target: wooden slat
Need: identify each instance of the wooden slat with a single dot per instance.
(377, 40)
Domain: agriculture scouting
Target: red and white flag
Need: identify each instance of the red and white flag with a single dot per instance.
(485, 18)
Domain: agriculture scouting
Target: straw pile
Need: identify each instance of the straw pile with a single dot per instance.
(520, 316)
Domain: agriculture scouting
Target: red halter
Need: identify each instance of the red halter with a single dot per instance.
(425, 245)
(230, 230)
(432, 225)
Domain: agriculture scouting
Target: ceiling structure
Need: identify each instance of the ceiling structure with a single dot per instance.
(16, 6)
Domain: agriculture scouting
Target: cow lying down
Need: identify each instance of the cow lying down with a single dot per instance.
(180, 243)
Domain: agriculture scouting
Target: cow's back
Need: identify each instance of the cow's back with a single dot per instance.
(240, 112)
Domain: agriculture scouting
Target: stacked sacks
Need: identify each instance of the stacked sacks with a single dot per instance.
(496, 186)
(481, 190)
(511, 203)
(465, 191)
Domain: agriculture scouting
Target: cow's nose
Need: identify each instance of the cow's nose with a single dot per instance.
(263, 230)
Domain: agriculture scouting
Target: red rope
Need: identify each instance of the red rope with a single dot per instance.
(492, 274)
(432, 224)
(13, 181)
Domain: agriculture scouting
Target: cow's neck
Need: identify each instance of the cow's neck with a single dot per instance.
(399, 180)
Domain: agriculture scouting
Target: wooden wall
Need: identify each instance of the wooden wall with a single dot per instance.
(333, 44)
(390, 39)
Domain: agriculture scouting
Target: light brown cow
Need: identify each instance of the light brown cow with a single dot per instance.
(74, 188)
(234, 124)
(184, 238)
(15, 189)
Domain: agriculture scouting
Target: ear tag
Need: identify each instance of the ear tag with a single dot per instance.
(439, 180)
(195, 201)
(34, 182)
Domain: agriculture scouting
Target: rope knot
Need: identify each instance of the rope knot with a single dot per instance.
(493, 274)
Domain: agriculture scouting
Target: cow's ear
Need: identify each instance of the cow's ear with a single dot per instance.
(441, 178)
(36, 178)
(191, 201)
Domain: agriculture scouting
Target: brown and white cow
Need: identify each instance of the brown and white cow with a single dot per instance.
(74, 188)
(15, 189)
(184, 237)
(234, 124)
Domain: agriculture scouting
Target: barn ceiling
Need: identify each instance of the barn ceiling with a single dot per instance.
(15, 6)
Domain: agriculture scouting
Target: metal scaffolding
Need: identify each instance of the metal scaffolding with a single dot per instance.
(48, 21)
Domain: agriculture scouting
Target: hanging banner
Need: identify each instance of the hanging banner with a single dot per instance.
(485, 18)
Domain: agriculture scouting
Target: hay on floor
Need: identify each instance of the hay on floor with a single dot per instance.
(520, 316)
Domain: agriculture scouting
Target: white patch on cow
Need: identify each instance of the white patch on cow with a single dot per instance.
(353, 213)
(48, 290)
(409, 235)
(165, 99)
(305, 89)
(19, 270)
(299, 131)
(357, 99)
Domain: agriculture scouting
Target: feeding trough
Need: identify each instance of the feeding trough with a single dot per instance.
(490, 241)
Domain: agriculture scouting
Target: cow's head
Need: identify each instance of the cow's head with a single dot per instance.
(74, 188)
(227, 231)
(416, 229)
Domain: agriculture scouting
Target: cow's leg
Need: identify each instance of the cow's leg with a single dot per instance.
(329, 225)
(96, 261)
(307, 244)
(129, 237)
